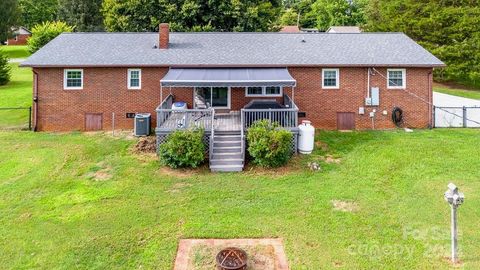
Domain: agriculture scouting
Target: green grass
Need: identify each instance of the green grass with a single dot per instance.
(83, 201)
(475, 94)
(16, 51)
(55, 214)
(17, 93)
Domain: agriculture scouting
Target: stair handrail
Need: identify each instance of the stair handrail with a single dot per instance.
(242, 135)
(212, 135)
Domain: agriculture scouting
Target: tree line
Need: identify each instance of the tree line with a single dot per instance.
(450, 29)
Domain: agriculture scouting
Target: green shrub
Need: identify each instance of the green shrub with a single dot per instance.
(268, 145)
(4, 68)
(45, 32)
(183, 148)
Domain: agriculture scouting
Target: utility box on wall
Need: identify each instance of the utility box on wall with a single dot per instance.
(374, 99)
(375, 95)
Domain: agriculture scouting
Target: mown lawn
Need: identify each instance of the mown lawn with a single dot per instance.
(16, 51)
(86, 202)
(17, 93)
(459, 92)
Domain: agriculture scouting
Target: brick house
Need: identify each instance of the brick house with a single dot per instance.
(20, 36)
(90, 81)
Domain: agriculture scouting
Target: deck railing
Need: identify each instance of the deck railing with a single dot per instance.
(287, 117)
(288, 102)
(172, 119)
(212, 135)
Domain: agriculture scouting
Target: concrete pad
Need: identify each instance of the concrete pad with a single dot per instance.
(453, 116)
(186, 245)
(444, 100)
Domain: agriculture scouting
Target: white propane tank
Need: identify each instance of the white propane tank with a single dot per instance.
(306, 137)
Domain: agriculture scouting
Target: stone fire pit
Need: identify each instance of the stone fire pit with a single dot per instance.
(231, 258)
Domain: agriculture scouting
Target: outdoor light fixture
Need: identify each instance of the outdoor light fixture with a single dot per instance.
(455, 199)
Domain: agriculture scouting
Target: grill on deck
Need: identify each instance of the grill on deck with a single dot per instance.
(264, 104)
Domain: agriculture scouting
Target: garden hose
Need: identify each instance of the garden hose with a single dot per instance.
(397, 116)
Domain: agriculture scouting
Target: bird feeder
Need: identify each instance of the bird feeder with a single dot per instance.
(455, 199)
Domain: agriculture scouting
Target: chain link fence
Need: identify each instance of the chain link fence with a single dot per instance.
(463, 117)
(16, 118)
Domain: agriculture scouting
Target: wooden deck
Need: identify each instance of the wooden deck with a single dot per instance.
(222, 122)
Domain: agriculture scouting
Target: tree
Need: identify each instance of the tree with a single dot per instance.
(448, 29)
(187, 15)
(9, 17)
(85, 15)
(329, 13)
(4, 68)
(289, 17)
(37, 11)
(45, 32)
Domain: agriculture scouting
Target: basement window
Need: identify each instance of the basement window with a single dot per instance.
(396, 78)
(330, 78)
(73, 79)
(263, 91)
(134, 78)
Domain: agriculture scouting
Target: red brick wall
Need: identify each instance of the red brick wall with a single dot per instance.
(21, 40)
(321, 105)
(105, 91)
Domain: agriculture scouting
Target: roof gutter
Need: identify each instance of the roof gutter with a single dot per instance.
(234, 66)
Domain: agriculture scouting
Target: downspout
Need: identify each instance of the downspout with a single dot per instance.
(368, 82)
(35, 99)
(430, 100)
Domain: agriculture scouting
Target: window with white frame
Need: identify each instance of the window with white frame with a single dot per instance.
(263, 91)
(330, 78)
(396, 78)
(73, 79)
(134, 78)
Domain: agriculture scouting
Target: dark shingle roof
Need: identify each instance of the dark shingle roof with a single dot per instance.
(233, 49)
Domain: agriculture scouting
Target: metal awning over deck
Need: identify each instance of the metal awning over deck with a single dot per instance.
(222, 77)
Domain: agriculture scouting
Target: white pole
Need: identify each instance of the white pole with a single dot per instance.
(454, 234)
(293, 94)
(113, 124)
(161, 93)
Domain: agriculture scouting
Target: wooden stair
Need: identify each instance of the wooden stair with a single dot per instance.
(227, 153)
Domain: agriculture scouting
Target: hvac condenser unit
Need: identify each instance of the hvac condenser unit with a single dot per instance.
(142, 124)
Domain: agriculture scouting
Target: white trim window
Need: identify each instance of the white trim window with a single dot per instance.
(134, 78)
(263, 91)
(330, 78)
(396, 78)
(73, 79)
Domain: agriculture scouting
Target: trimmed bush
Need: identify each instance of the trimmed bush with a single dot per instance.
(4, 68)
(183, 148)
(45, 32)
(269, 145)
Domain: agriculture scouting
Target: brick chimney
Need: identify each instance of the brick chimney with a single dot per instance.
(164, 36)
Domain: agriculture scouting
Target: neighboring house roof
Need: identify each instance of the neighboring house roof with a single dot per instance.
(310, 30)
(21, 31)
(232, 50)
(344, 29)
(290, 29)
